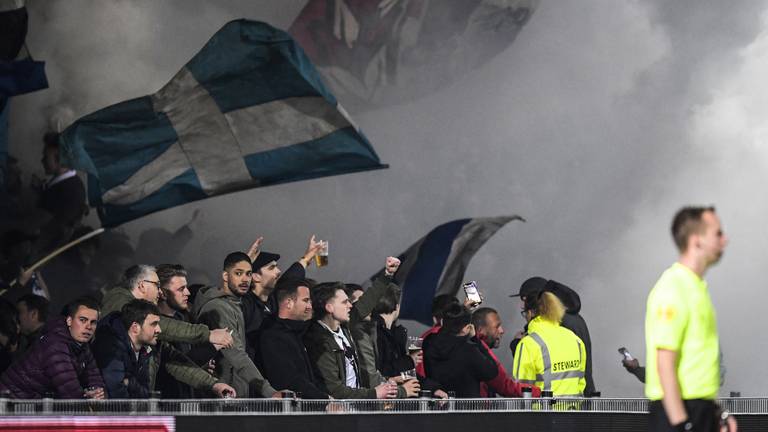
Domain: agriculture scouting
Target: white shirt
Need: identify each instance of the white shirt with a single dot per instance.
(346, 347)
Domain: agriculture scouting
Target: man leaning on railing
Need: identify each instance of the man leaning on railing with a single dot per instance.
(60, 363)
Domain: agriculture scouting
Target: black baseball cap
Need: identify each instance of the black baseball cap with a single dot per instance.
(263, 259)
(531, 286)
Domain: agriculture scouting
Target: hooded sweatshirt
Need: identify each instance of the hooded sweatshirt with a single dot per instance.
(219, 309)
(458, 363)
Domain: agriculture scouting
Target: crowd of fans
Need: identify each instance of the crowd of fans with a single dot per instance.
(259, 331)
(152, 335)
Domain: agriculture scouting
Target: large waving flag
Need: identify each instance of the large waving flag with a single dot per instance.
(436, 263)
(383, 52)
(248, 110)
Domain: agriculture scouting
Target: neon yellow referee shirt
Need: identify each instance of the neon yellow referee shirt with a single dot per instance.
(680, 317)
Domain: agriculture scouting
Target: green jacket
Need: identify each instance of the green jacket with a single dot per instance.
(219, 309)
(180, 367)
(173, 330)
(328, 358)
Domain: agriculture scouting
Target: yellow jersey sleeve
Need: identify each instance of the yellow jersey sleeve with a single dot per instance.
(667, 315)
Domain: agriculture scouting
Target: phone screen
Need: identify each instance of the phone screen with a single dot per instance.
(470, 289)
(623, 351)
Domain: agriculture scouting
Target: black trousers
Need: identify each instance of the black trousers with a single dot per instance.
(702, 413)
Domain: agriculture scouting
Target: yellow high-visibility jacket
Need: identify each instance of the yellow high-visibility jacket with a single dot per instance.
(551, 357)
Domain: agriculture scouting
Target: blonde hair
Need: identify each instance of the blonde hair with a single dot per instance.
(549, 307)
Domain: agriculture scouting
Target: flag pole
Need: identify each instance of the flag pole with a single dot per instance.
(56, 253)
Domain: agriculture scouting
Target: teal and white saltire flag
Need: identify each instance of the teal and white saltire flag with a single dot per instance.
(248, 110)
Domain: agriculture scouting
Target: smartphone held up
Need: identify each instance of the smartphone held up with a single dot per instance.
(473, 295)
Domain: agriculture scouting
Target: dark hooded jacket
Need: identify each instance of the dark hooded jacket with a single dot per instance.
(129, 376)
(284, 359)
(126, 375)
(391, 344)
(56, 363)
(458, 363)
(256, 311)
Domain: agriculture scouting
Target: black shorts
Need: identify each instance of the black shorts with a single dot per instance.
(702, 413)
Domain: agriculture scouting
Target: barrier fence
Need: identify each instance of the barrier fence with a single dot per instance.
(279, 407)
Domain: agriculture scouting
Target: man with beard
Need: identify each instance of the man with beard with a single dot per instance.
(259, 303)
(125, 344)
(174, 303)
(489, 331)
(142, 282)
(221, 307)
(61, 361)
(283, 357)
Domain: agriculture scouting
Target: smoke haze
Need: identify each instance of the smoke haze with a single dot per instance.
(596, 125)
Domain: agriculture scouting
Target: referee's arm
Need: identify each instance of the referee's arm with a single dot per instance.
(672, 401)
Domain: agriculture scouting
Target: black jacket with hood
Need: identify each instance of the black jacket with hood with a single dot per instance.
(458, 363)
(285, 361)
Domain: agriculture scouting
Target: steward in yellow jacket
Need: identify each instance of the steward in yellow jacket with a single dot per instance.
(550, 356)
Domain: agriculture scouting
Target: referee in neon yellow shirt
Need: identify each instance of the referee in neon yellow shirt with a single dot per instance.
(683, 369)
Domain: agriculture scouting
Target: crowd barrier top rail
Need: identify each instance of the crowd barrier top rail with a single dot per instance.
(271, 407)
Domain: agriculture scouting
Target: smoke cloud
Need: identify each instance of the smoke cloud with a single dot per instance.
(596, 124)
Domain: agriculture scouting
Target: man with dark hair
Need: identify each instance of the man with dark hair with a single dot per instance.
(142, 282)
(33, 313)
(454, 358)
(284, 359)
(258, 303)
(174, 303)
(124, 347)
(61, 361)
(682, 376)
(353, 291)
(331, 347)
(220, 307)
(440, 304)
(174, 294)
(489, 331)
(62, 198)
(392, 338)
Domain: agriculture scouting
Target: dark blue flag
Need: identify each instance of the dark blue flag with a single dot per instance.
(437, 262)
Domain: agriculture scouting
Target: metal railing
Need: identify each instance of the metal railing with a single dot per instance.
(192, 407)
